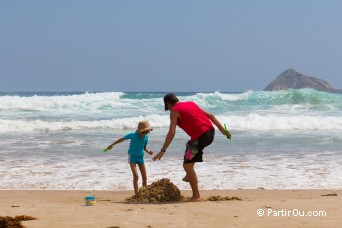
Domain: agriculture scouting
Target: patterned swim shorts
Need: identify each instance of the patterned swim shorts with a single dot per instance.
(194, 150)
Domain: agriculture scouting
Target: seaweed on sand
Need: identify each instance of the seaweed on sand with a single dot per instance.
(10, 222)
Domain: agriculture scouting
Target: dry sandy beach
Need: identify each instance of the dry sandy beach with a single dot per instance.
(281, 208)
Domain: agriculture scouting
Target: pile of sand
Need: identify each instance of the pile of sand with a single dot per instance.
(160, 191)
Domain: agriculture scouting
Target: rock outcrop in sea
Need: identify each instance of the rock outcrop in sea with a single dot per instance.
(291, 79)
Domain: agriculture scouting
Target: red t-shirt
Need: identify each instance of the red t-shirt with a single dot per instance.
(192, 119)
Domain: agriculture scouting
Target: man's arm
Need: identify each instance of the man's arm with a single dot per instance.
(170, 135)
(215, 121)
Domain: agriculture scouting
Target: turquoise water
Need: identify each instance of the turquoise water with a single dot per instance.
(283, 139)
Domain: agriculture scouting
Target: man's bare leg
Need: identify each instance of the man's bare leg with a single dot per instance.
(192, 178)
(185, 179)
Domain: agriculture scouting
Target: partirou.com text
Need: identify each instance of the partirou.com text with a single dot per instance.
(289, 213)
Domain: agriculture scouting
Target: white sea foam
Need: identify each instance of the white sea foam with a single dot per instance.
(231, 172)
(250, 122)
(276, 122)
(118, 124)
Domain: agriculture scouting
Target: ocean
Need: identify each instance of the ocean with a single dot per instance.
(280, 140)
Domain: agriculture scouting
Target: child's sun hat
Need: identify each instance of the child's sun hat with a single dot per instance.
(144, 126)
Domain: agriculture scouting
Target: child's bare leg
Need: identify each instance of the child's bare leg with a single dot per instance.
(135, 177)
(192, 178)
(143, 174)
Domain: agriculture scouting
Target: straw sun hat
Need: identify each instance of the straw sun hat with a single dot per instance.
(144, 126)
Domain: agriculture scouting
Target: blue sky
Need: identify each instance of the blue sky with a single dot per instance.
(178, 45)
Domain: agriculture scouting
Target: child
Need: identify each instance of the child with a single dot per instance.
(137, 146)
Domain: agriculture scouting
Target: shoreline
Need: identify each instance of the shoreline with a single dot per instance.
(285, 208)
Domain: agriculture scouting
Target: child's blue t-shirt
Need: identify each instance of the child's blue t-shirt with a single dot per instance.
(137, 144)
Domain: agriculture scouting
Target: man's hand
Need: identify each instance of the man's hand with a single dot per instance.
(159, 155)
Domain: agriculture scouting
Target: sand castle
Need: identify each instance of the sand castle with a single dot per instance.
(160, 191)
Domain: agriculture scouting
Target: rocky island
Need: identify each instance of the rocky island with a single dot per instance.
(291, 79)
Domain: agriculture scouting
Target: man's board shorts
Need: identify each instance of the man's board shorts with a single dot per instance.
(194, 150)
(135, 159)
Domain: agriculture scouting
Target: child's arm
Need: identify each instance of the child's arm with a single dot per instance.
(120, 140)
(150, 152)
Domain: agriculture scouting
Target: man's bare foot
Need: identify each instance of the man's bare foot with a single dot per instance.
(185, 179)
(193, 199)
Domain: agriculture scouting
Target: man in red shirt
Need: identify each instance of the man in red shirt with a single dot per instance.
(197, 123)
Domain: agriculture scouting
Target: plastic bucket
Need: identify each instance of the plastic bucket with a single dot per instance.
(90, 200)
